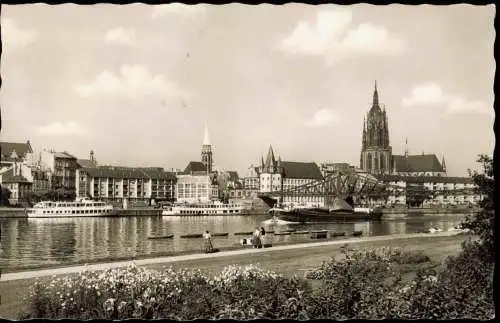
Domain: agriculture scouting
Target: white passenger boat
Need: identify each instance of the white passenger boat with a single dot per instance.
(78, 208)
(210, 208)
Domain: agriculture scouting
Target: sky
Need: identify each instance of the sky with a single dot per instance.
(137, 83)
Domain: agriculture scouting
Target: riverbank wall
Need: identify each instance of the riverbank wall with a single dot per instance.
(12, 212)
(427, 211)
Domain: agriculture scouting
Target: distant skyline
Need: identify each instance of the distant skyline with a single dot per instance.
(139, 83)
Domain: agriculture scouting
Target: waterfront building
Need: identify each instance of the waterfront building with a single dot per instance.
(11, 152)
(277, 175)
(18, 185)
(330, 168)
(196, 184)
(252, 179)
(376, 152)
(61, 168)
(41, 182)
(119, 185)
(440, 190)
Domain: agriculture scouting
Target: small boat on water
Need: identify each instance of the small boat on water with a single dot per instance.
(209, 208)
(168, 236)
(78, 208)
(435, 230)
(340, 211)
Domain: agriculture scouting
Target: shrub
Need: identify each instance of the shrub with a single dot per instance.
(255, 293)
(354, 287)
(130, 292)
(134, 292)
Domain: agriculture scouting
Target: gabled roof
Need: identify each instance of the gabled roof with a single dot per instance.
(64, 155)
(86, 163)
(21, 149)
(9, 177)
(301, 170)
(195, 166)
(417, 163)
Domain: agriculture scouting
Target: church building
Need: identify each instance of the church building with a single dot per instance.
(376, 152)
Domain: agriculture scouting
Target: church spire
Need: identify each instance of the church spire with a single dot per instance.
(443, 164)
(270, 160)
(375, 95)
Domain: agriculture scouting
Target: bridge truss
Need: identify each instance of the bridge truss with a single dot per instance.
(359, 185)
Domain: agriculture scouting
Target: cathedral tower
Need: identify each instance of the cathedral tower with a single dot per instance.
(206, 152)
(376, 152)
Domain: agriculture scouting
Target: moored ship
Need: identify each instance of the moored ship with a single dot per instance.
(209, 208)
(77, 208)
(341, 211)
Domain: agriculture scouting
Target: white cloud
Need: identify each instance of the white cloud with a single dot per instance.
(322, 117)
(459, 105)
(133, 81)
(333, 37)
(62, 129)
(429, 93)
(120, 35)
(432, 94)
(190, 11)
(14, 38)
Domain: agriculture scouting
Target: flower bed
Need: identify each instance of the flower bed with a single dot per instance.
(365, 284)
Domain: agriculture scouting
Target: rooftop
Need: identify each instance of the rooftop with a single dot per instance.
(20, 149)
(417, 163)
(301, 170)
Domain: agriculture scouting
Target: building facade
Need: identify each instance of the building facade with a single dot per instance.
(11, 152)
(277, 175)
(440, 191)
(196, 189)
(61, 168)
(137, 186)
(251, 181)
(18, 185)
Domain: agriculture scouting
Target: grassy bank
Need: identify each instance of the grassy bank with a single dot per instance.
(287, 262)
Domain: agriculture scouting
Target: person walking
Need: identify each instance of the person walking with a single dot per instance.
(207, 237)
(264, 238)
(256, 241)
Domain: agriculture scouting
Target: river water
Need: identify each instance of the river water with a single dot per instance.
(33, 243)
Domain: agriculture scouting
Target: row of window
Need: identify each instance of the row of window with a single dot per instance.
(96, 211)
(193, 212)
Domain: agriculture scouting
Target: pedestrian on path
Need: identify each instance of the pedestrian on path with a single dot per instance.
(256, 240)
(207, 237)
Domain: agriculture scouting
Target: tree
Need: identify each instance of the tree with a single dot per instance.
(482, 223)
(4, 199)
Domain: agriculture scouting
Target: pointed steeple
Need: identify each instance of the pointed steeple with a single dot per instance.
(262, 161)
(375, 95)
(443, 164)
(206, 139)
(270, 160)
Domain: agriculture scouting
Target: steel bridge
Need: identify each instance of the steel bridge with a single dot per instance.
(353, 185)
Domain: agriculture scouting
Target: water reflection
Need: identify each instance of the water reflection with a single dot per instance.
(38, 242)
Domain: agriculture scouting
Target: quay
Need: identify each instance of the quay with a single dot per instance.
(286, 259)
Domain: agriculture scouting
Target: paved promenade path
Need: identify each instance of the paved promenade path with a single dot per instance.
(287, 259)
